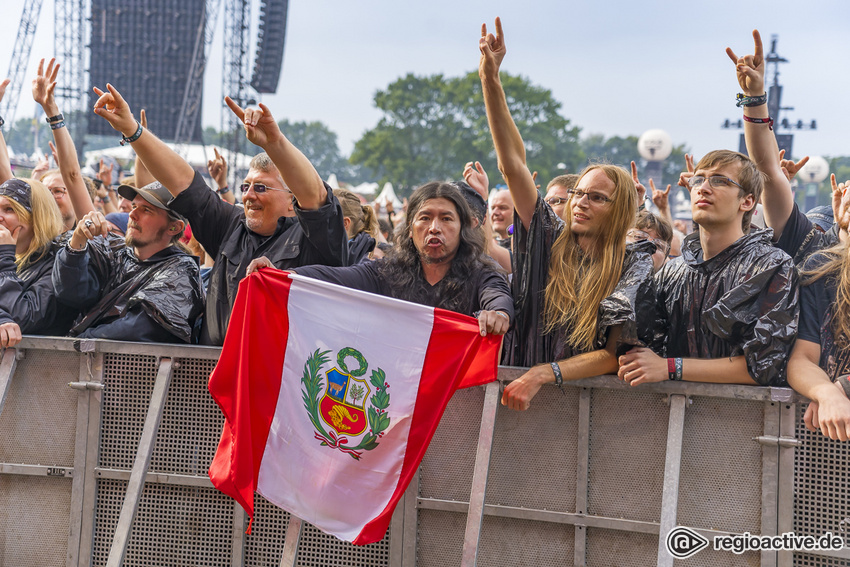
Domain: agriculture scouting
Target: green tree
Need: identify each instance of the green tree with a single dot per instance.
(622, 151)
(319, 144)
(21, 136)
(433, 125)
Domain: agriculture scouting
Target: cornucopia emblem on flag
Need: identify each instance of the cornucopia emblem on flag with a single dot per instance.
(337, 404)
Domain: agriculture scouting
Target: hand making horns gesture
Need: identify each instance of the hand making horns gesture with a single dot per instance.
(260, 126)
(112, 107)
(492, 49)
(750, 68)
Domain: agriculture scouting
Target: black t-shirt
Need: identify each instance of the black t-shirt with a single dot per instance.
(800, 238)
(817, 299)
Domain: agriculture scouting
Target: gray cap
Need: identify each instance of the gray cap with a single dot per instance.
(154, 193)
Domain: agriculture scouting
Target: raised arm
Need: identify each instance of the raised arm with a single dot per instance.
(510, 149)
(69, 166)
(5, 162)
(140, 171)
(164, 164)
(777, 198)
(218, 171)
(295, 169)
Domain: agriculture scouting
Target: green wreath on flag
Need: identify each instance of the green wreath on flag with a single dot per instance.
(377, 417)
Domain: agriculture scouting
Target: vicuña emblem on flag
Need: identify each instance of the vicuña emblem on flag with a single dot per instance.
(339, 402)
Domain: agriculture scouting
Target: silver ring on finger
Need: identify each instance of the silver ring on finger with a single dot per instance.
(89, 224)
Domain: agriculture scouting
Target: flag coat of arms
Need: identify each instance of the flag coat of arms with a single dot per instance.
(331, 396)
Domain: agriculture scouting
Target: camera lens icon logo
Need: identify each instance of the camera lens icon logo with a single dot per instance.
(684, 542)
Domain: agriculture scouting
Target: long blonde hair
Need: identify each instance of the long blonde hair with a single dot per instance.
(45, 222)
(838, 267)
(362, 216)
(578, 280)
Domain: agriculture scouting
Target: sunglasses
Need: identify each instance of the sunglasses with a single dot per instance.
(260, 188)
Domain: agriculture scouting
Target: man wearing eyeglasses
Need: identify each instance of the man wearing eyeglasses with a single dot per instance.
(730, 302)
(558, 193)
(234, 236)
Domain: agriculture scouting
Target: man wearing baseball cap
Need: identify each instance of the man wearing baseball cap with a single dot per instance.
(146, 288)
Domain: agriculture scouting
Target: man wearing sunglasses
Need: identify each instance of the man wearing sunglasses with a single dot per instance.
(729, 304)
(234, 236)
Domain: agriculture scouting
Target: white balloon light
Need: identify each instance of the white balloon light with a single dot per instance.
(655, 145)
(815, 171)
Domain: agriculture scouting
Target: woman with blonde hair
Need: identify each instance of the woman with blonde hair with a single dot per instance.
(361, 224)
(577, 285)
(30, 227)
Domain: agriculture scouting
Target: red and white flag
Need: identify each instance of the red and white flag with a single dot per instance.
(331, 397)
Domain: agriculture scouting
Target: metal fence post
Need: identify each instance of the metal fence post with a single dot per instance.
(672, 467)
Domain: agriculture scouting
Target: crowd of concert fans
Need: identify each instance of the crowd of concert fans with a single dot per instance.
(582, 279)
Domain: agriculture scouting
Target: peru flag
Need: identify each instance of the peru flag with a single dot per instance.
(331, 396)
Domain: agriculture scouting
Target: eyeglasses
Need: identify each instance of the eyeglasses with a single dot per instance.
(592, 196)
(260, 188)
(637, 235)
(716, 181)
(58, 191)
(555, 201)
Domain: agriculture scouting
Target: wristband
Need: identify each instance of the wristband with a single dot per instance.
(844, 382)
(134, 137)
(58, 118)
(678, 363)
(223, 190)
(2, 122)
(559, 378)
(671, 369)
(748, 101)
(768, 120)
(57, 125)
(105, 199)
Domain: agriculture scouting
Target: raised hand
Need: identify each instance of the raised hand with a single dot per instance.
(44, 84)
(260, 126)
(3, 86)
(641, 190)
(104, 173)
(41, 167)
(840, 203)
(218, 169)
(660, 199)
(789, 167)
(685, 176)
(476, 177)
(750, 68)
(112, 107)
(492, 49)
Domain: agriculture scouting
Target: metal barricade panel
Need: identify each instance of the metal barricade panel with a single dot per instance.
(264, 546)
(128, 381)
(39, 419)
(318, 549)
(720, 480)
(34, 517)
(450, 460)
(191, 422)
(174, 526)
(608, 548)
(821, 488)
(440, 538)
(708, 557)
(510, 541)
(628, 443)
(534, 453)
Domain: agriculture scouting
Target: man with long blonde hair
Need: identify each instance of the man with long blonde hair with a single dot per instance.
(576, 286)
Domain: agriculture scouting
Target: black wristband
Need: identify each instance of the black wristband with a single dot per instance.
(223, 190)
(58, 118)
(2, 122)
(57, 125)
(559, 378)
(134, 137)
(744, 100)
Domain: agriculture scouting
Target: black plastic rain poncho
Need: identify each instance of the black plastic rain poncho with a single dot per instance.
(742, 302)
(153, 300)
(631, 305)
(27, 297)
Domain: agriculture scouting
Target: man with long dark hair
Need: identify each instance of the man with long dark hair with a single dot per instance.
(438, 260)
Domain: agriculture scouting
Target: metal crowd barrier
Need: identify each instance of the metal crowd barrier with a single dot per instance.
(104, 448)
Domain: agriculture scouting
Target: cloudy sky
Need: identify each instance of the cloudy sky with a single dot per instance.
(618, 67)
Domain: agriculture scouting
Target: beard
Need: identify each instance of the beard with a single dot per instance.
(136, 240)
